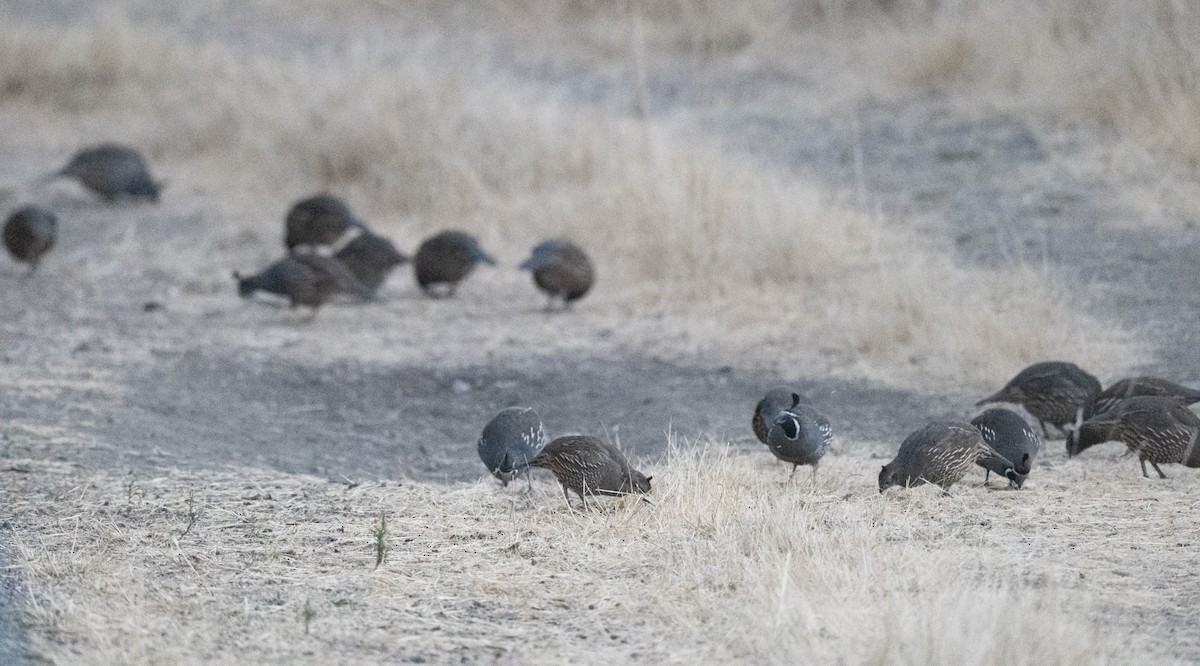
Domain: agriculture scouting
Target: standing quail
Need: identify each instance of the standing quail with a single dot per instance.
(562, 270)
(1010, 435)
(372, 258)
(942, 453)
(800, 435)
(510, 441)
(29, 233)
(1158, 429)
(304, 279)
(1135, 386)
(445, 259)
(589, 466)
(318, 220)
(1052, 391)
(776, 400)
(113, 172)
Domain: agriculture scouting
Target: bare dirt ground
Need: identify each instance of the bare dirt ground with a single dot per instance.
(118, 422)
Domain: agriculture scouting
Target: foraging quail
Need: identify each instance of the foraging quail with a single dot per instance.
(318, 220)
(510, 441)
(776, 400)
(562, 270)
(589, 466)
(445, 259)
(372, 258)
(29, 233)
(942, 453)
(1052, 391)
(1158, 429)
(800, 435)
(1135, 386)
(305, 279)
(1010, 435)
(113, 172)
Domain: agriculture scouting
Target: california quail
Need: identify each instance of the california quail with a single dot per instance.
(318, 220)
(304, 279)
(1158, 429)
(1010, 435)
(942, 453)
(561, 269)
(1052, 391)
(445, 259)
(800, 435)
(589, 466)
(776, 400)
(29, 233)
(510, 441)
(372, 258)
(113, 172)
(1135, 386)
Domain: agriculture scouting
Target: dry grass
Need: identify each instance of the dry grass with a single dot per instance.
(728, 563)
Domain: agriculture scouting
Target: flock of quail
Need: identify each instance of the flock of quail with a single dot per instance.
(330, 252)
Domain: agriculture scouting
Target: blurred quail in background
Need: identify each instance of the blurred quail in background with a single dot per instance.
(776, 400)
(1157, 429)
(113, 172)
(589, 466)
(304, 279)
(510, 441)
(1010, 435)
(1135, 386)
(942, 453)
(372, 258)
(800, 435)
(1052, 391)
(317, 220)
(29, 233)
(445, 259)
(562, 270)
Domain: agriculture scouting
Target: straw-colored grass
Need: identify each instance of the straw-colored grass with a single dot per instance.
(1089, 564)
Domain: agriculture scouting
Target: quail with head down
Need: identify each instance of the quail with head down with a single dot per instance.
(1052, 391)
(1157, 429)
(29, 234)
(588, 466)
(304, 279)
(1010, 435)
(372, 258)
(113, 172)
(445, 259)
(562, 270)
(942, 453)
(510, 441)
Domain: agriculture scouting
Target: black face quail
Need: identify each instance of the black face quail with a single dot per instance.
(510, 441)
(29, 233)
(589, 466)
(776, 400)
(1010, 435)
(1135, 386)
(318, 220)
(800, 435)
(1157, 429)
(942, 453)
(560, 269)
(113, 172)
(445, 259)
(372, 258)
(1052, 391)
(304, 279)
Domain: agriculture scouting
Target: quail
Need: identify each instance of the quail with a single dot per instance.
(29, 233)
(942, 453)
(113, 172)
(1157, 429)
(776, 400)
(304, 279)
(1010, 435)
(445, 259)
(510, 441)
(562, 270)
(800, 435)
(1052, 391)
(317, 220)
(589, 466)
(1135, 386)
(372, 258)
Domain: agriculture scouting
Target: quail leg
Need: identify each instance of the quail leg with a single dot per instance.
(1160, 472)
